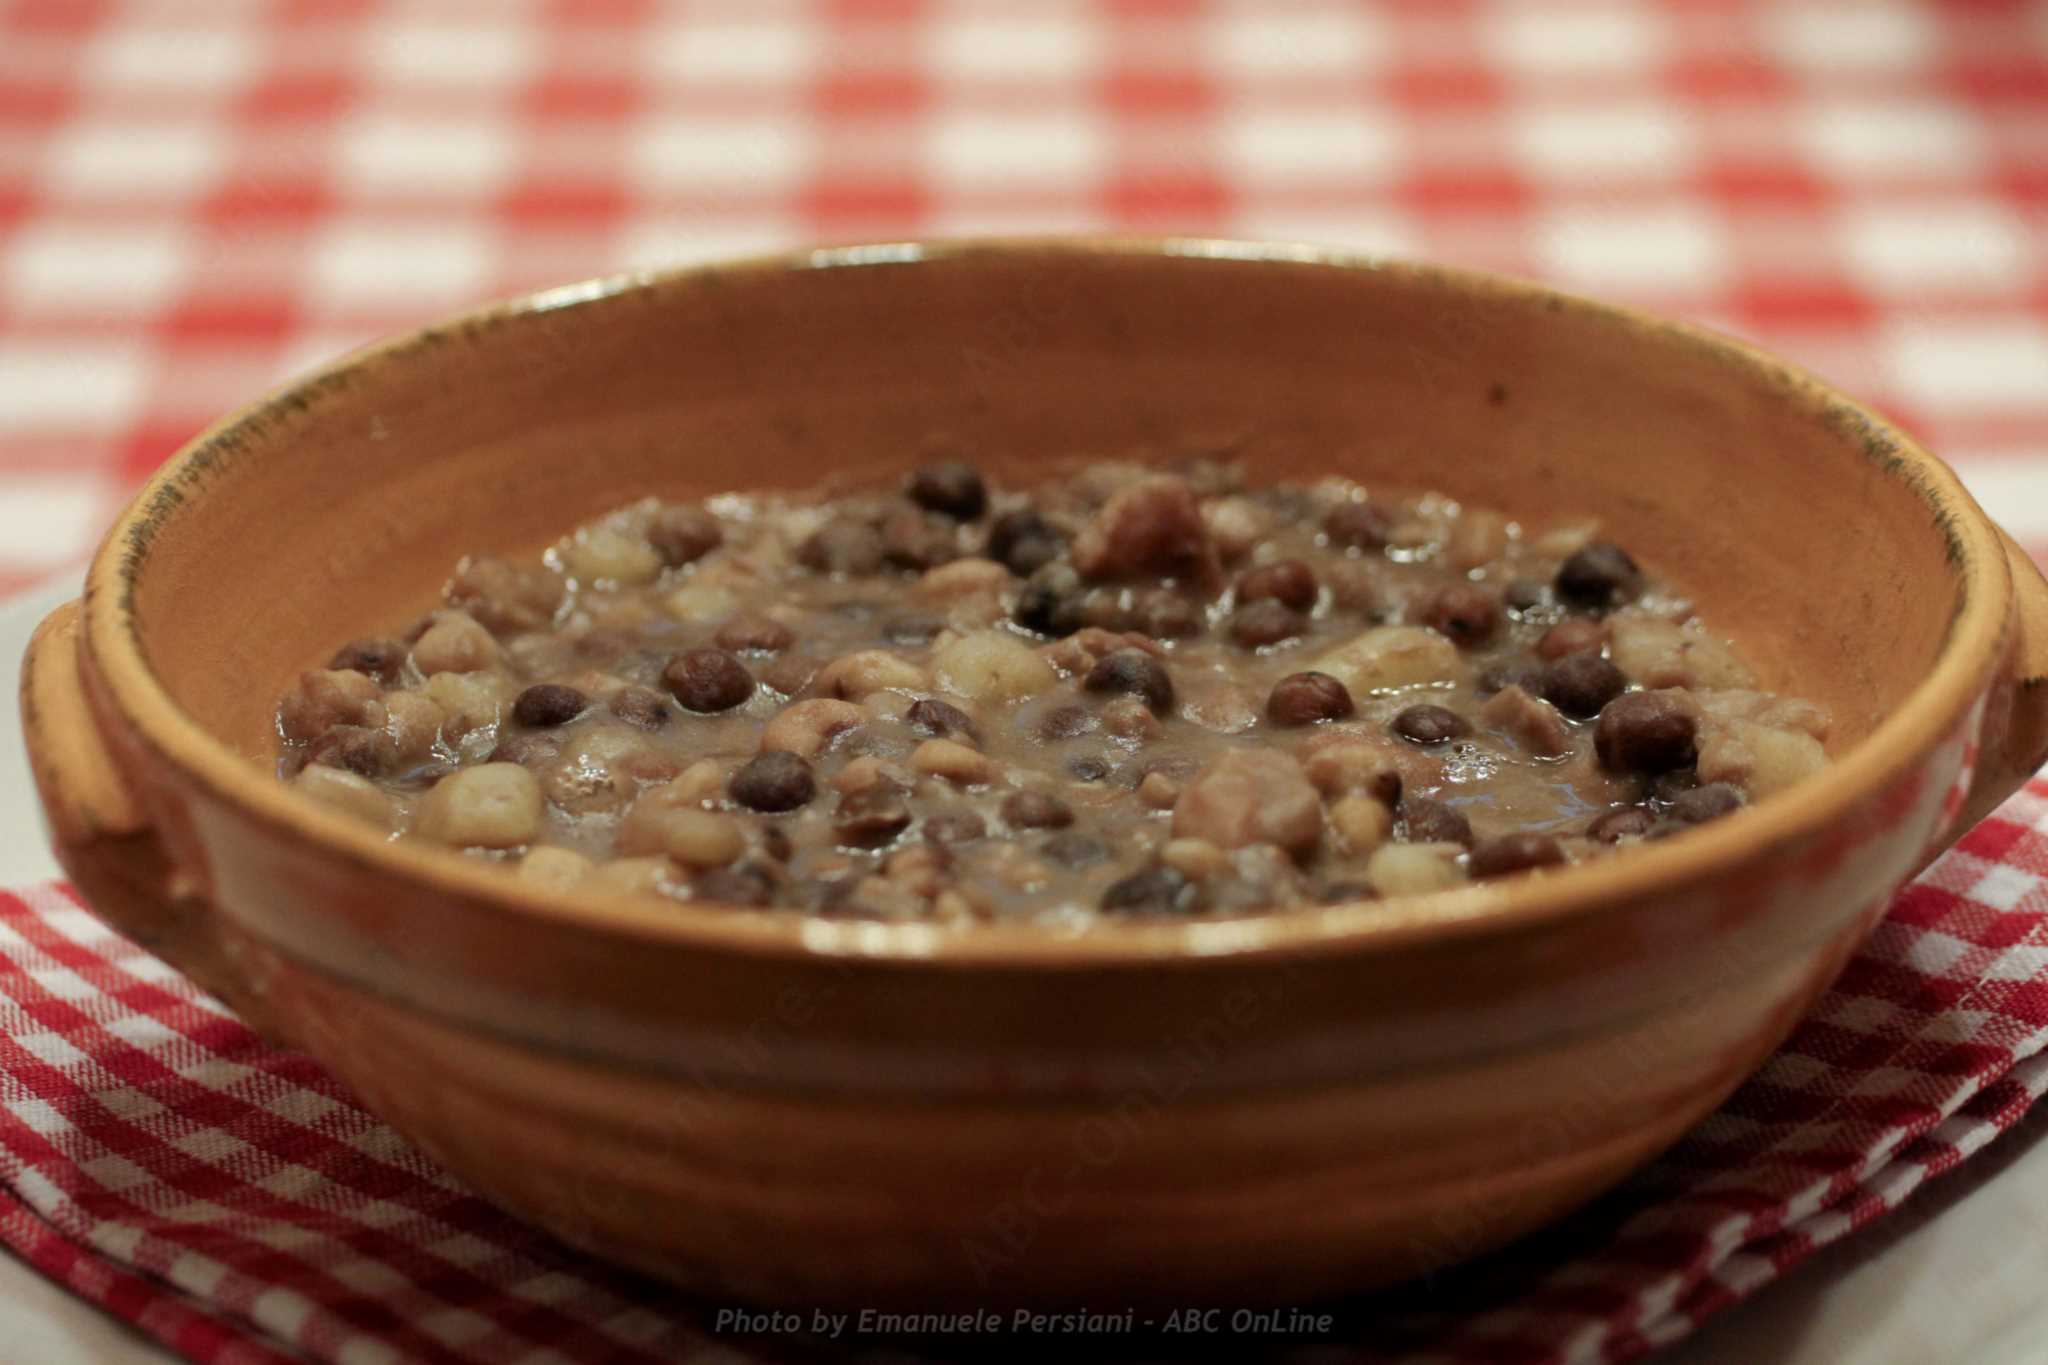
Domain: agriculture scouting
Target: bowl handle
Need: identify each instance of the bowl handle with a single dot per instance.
(2014, 743)
(98, 827)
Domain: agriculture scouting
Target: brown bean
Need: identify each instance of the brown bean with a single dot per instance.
(917, 540)
(871, 817)
(954, 827)
(1305, 698)
(949, 486)
(1135, 673)
(1288, 582)
(1506, 853)
(358, 748)
(1580, 684)
(1645, 732)
(1052, 603)
(1598, 575)
(708, 680)
(1573, 635)
(930, 716)
(380, 659)
(1357, 526)
(683, 533)
(1066, 721)
(1421, 820)
(755, 634)
(1153, 891)
(773, 782)
(1036, 810)
(1466, 612)
(1622, 822)
(1429, 724)
(842, 545)
(1024, 542)
(1709, 802)
(1266, 622)
(549, 704)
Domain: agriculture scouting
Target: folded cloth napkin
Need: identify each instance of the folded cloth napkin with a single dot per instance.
(231, 1200)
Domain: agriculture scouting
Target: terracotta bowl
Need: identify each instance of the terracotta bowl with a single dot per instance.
(787, 1109)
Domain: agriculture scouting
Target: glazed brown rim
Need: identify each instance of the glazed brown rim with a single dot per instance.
(1921, 721)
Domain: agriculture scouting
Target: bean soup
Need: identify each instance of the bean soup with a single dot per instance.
(1132, 691)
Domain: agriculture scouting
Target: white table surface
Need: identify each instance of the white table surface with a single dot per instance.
(1959, 1275)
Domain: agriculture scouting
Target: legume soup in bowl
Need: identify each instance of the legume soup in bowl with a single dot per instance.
(771, 770)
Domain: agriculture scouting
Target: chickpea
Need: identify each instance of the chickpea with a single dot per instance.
(557, 869)
(471, 701)
(667, 821)
(1411, 869)
(493, 805)
(1388, 657)
(954, 761)
(990, 666)
(609, 555)
(852, 677)
(696, 601)
(325, 698)
(413, 721)
(963, 578)
(1360, 823)
(701, 781)
(455, 643)
(347, 792)
(804, 728)
(1196, 859)
(1158, 791)
(651, 876)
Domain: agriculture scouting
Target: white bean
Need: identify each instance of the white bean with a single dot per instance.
(493, 805)
(346, 792)
(992, 666)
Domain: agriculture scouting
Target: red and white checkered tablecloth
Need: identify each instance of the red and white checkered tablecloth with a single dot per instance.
(233, 1201)
(199, 197)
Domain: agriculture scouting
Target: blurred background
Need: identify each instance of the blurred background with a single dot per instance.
(199, 197)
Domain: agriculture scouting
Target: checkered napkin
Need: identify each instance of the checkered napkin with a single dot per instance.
(234, 1202)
